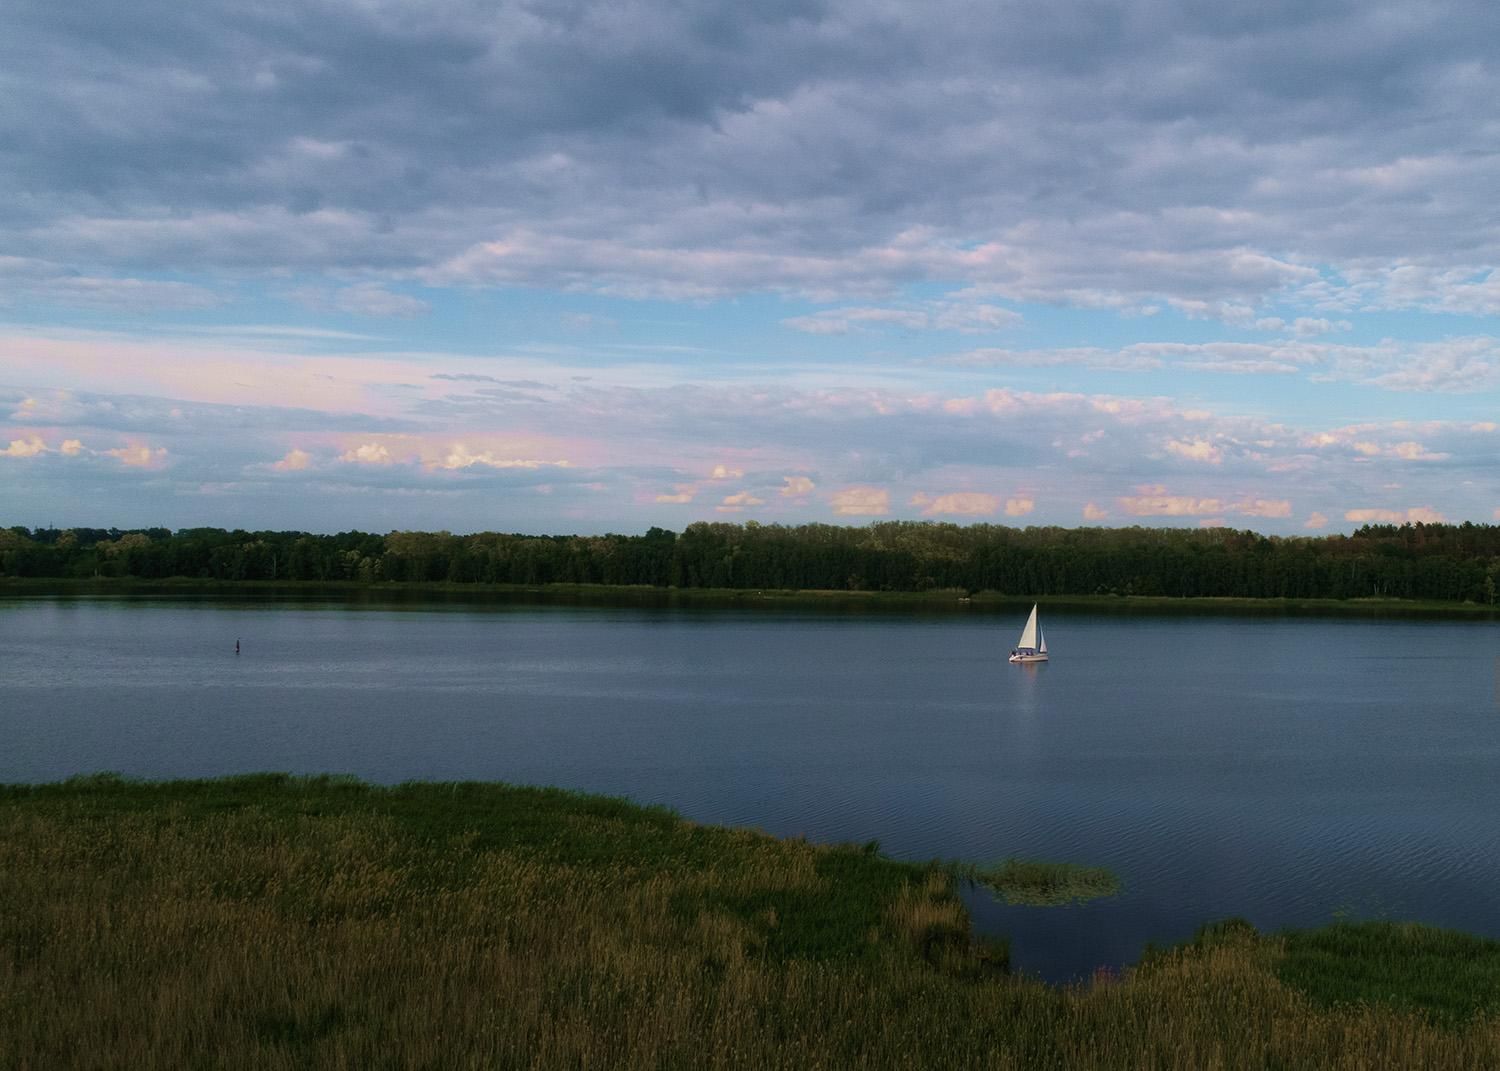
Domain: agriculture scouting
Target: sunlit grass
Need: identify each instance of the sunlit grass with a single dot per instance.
(273, 922)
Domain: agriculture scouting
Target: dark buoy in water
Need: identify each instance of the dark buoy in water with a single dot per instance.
(236, 646)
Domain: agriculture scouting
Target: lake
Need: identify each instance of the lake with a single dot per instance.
(1285, 769)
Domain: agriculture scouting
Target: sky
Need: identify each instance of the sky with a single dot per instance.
(561, 267)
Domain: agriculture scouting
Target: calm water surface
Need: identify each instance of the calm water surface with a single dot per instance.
(1282, 769)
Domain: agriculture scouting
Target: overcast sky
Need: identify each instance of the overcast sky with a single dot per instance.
(572, 267)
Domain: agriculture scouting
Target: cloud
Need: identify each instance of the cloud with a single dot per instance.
(738, 502)
(461, 457)
(1264, 507)
(1459, 365)
(24, 448)
(42, 282)
(1415, 515)
(683, 494)
(1019, 507)
(367, 454)
(294, 461)
(1091, 512)
(861, 502)
(933, 316)
(724, 472)
(796, 146)
(1160, 504)
(1196, 450)
(961, 503)
(1315, 520)
(363, 299)
(139, 455)
(796, 486)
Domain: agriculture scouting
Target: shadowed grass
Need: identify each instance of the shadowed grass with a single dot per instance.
(1450, 976)
(276, 922)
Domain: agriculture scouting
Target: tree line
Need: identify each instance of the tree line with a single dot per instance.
(1414, 561)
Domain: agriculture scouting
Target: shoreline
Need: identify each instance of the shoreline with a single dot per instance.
(945, 600)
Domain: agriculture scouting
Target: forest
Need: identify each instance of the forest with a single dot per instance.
(1453, 562)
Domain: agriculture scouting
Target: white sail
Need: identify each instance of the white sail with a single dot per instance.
(1042, 646)
(1028, 634)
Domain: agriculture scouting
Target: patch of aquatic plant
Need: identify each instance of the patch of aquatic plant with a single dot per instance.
(1452, 977)
(1043, 884)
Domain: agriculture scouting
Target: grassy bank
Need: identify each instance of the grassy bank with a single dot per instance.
(944, 600)
(270, 922)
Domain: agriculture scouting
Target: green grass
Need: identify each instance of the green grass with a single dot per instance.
(279, 922)
(1450, 976)
(1041, 884)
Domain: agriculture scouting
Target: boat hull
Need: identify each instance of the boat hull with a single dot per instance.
(1020, 658)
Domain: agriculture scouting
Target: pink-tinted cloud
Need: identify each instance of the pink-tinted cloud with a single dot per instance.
(1196, 450)
(861, 502)
(294, 461)
(31, 447)
(1264, 507)
(1154, 501)
(1315, 520)
(736, 503)
(1414, 515)
(796, 487)
(138, 455)
(367, 454)
(461, 457)
(1091, 512)
(960, 503)
(1019, 507)
(682, 494)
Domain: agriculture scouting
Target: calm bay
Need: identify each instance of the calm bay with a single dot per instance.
(1283, 769)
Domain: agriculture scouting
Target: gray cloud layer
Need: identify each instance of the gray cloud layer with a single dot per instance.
(1089, 153)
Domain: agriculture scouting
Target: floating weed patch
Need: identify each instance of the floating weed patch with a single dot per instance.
(1042, 884)
(1451, 977)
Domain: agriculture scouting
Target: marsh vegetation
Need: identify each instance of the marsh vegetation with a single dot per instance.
(272, 922)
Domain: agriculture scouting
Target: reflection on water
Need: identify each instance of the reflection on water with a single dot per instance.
(1276, 768)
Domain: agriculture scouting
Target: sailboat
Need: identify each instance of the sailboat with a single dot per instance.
(1032, 646)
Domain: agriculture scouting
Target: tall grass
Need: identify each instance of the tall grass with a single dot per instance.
(281, 923)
